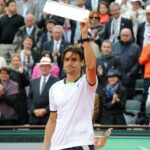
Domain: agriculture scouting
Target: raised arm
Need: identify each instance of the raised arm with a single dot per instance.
(90, 58)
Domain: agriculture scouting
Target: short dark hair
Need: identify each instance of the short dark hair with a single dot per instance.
(107, 41)
(50, 21)
(45, 53)
(10, 1)
(79, 50)
(6, 69)
(27, 36)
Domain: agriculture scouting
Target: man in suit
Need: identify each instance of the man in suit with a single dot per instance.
(56, 45)
(116, 24)
(143, 32)
(38, 99)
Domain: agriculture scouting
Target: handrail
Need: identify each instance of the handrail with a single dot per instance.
(122, 126)
(95, 126)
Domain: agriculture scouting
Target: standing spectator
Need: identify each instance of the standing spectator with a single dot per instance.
(29, 29)
(125, 8)
(128, 53)
(103, 9)
(143, 32)
(54, 71)
(25, 7)
(116, 23)
(2, 8)
(76, 33)
(9, 24)
(19, 75)
(45, 17)
(28, 56)
(40, 6)
(144, 60)
(137, 14)
(92, 4)
(9, 99)
(47, 33)
(113, 99)
(38, 99)
(106, 61)
(56, 46)
(95, 27)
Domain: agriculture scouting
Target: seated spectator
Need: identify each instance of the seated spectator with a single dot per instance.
(28, 56)
(38, 99)
(103, 10)
(29, 29)
(9, 99)
(2, 62)
(19, 75)
(54, 71)
(128, 53)
(113, 99)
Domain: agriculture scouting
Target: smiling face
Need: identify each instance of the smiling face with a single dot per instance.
(15, 61)
(27, 43)
(115, 12)
(4, 76)
(103, 8)
(94, 18)
(112, 80)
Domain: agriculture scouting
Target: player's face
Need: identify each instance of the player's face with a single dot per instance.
(72, 63)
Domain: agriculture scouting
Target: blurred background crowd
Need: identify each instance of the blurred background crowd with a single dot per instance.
(120, 37)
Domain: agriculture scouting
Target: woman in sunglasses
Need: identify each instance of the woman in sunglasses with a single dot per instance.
(95, 27)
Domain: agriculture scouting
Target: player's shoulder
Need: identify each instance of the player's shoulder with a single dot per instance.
(58, 83)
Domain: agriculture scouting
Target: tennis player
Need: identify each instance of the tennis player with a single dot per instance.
(72, 100)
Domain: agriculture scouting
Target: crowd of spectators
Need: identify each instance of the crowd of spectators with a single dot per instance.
(120, 37)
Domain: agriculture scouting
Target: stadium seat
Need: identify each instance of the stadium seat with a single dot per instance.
(132, 109)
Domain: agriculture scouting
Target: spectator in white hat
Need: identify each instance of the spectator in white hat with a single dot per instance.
(38, 99)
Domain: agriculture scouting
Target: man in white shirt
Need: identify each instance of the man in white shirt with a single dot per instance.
(71, 97)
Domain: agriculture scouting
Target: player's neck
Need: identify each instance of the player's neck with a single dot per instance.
(72, 78)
